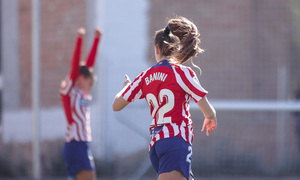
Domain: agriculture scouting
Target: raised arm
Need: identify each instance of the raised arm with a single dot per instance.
(92, 55)
(210, 121)
(76, 55)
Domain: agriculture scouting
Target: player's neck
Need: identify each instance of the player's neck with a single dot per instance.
(160, 58)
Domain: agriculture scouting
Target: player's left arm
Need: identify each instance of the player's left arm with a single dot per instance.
(119, 102)
(210, 121)
(93, 52)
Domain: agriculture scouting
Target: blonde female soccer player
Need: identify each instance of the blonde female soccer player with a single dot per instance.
(76, 98)
(167, 87)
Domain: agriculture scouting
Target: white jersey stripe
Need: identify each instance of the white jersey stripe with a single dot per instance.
(193, 80)
(79, 124)
(81, 117)
(184, 86)
(78, 109)
(166, 132)
(151, 143)
(175, 128)
(138, 95)
(182, 129)
(190, 135)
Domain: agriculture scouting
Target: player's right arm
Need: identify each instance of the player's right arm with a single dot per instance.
(69, 81)
(76, 55)
(130, 92)
(75, 65)
(119, 102)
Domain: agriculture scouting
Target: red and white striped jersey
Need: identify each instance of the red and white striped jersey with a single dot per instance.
(75, 101)
(76, 105)
(167, 88)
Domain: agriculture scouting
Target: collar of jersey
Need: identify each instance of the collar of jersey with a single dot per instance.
(163, 63)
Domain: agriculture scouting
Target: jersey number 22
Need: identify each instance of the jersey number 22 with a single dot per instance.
(161, 105)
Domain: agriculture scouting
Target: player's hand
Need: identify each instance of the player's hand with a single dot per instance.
(81, 32)
(127, 81)
(98, 32)
(210, 125)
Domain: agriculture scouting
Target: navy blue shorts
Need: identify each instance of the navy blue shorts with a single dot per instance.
(77, 155)
(171, 154)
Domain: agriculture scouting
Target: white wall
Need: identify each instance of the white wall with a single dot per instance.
(17, 125)
(123, 50)
(10, 57)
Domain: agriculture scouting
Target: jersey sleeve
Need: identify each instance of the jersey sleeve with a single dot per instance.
(134, 90)
(189, 82)
(93, 52)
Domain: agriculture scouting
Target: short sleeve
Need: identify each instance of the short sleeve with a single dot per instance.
(189, 82)
(134, 90)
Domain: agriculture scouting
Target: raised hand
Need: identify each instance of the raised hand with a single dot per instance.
(81, 32)
(98, 32)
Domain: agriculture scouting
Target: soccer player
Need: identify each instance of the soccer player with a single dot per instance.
(167, 87)
(76, 98)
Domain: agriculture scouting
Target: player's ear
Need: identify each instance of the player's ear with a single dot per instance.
(157, 52)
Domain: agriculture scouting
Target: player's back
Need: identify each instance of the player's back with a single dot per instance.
(167, 100)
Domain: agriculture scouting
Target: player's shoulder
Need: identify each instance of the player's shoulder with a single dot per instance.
(66, 85)
(185, 69)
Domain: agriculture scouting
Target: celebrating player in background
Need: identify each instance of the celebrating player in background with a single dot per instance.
(76, 98)
(167, 87)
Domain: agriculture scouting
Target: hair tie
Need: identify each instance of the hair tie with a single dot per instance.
(167, 31)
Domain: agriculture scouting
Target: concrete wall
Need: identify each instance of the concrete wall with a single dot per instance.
(123, 51)
(10, 56)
